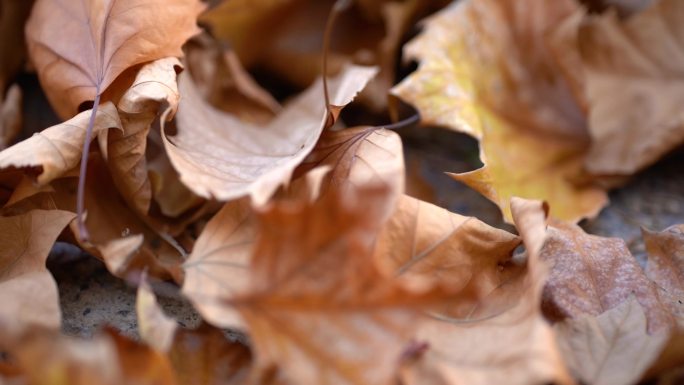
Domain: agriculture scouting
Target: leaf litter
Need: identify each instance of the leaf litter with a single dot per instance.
(222, 169)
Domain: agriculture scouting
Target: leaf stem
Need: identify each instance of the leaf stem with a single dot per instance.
(80, 195)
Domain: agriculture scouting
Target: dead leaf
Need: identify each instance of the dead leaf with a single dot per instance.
(635, 127)
(665, 267)
(359, 156)
(13, 15)
(591, 275)
(10, 116)
(316, 307)
(155, 327)
(218, 267)
(27, 290)
(516, 346)
(154, 92)
(80, 48)
(424, 242)
(220, 157)
(41, 357)
(56, 150)
(611, 348)
(486, 71)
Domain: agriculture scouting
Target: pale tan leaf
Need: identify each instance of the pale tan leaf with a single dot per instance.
(665, 267)
(220, 157)
(516, 346)
(641, 57)
(155, 327)
(611, 348)
(56, 150)
(27, 290)
(218, 267)
(80, 47)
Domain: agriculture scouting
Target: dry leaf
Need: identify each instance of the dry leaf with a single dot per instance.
(10, 115)
(611, 348)
(317, 307)
(665, 267)
(486, 71)
(156, 328)
(639, 56)
(220, 157)
(516, 346)
(218, 267)
(80, 48)
(590, 275)
(28, 292)
(424, 242)
(56, 150)
(43, 357)
(13, 15)
(153, 92)
(359, 156)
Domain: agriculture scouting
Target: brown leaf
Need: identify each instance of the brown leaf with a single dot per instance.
(516, 346)
(633, 128)
(218, 267)
(28, 292)
(153, 92)
(359, 156)
(665, 267)
(318, 308)
(156, 328)
(43, 357)
(220, 157)
(486, 70)
(424, 242)
(13, 15)
(591, 275)
(611, 348)
(80, 48)
(56, 150)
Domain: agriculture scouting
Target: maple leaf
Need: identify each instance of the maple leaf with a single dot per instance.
(486, 70)
(515, 346)
(221, 157)
(611, 348)
(57, 150)
(665, 267)
(13, 15)
(80, 48)
(27, 290)
(315, 308)
(633, 128)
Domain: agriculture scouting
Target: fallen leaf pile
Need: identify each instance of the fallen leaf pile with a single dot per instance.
(205, 146)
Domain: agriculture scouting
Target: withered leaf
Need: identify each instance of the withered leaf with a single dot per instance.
(221, 157)
(80, 48)
(665, 267)
(318, 308)
(486, 70)
(515, 346)
(53, 152)
(633, 128)
(10, 115)
(27, 290)
(359, 156)
(590, 275)
(611, 348)
(153, 92)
